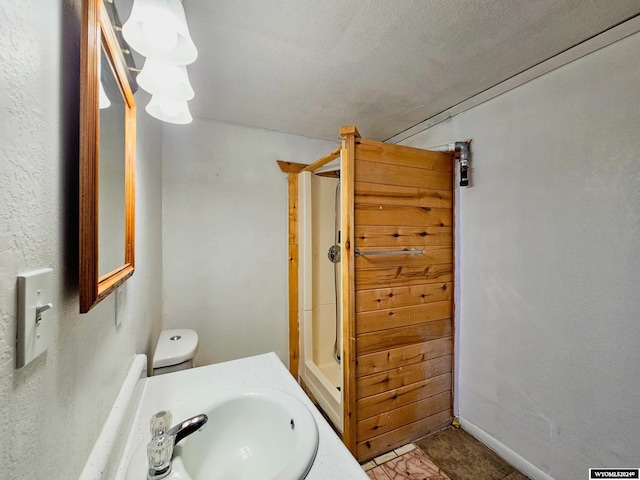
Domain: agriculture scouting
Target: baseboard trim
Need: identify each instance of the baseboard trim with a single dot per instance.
(526, 467)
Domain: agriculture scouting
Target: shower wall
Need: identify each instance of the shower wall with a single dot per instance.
(403, 303)
(320, 374)
(323, 284)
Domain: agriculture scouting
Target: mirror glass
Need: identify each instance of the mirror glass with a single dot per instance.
(111, 174)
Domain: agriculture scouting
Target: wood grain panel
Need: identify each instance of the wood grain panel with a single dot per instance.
(393, 419)
(384, 443)
(290, 167)
(387, 277)
(400, 377)
(386, 401)
(323, 161)
(393, 215)
(395, 236)
(373, 172)
(431, 255)
(403, 199)
(379, 194)
(397, 337)
(292, 185)
(403, 356)
(294, 339)
(347, 130)
(401, 155)
(349, 351)
(401, 317)
(382, 298)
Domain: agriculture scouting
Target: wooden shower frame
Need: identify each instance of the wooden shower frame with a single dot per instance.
(349, 135)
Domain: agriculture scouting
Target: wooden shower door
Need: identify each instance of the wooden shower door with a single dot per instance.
(403, 304)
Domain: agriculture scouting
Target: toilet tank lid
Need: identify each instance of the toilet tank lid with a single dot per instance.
(174, 347)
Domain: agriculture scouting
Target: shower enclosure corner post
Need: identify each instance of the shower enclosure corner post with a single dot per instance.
(294, 319)
(347, 173)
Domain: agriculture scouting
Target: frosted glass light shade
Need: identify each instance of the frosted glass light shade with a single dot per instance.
(165, 80)
(168, 110)
(158, 29)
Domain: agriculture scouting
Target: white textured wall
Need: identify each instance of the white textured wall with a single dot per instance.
(549, 258)
(225, 235)
(51, 411)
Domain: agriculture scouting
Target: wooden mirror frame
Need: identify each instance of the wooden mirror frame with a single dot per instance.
(97, 33)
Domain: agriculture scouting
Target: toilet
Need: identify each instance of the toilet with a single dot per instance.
(176, 350)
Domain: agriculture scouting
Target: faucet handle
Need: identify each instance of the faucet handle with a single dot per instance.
(159, 452)
(160, 423)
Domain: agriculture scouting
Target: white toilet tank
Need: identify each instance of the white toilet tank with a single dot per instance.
(176, 350)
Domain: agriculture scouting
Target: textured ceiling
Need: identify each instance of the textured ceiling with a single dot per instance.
(309, 66)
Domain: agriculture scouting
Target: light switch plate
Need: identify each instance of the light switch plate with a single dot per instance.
(35, 289)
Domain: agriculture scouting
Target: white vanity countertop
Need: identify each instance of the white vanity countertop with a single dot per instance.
(177, 391)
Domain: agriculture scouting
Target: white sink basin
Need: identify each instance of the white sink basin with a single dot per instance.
(252, 434)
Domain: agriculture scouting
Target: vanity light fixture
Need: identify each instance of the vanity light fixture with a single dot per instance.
(158, 29)
(166, 80)
(169, 110)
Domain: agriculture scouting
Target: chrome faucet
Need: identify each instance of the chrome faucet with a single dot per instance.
(164, 439)
(186, 428)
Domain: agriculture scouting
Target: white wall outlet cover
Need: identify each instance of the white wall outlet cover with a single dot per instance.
(119, 304)
(35, 315)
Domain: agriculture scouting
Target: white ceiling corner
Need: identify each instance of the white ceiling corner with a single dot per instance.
(307, 67)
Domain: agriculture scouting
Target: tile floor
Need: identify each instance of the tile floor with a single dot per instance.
(404, 463)
(460, 455)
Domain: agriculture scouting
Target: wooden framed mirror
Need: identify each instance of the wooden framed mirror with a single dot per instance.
(107, 159)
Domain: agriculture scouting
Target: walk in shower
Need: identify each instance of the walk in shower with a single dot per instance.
(389, 380)
(320, 291)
